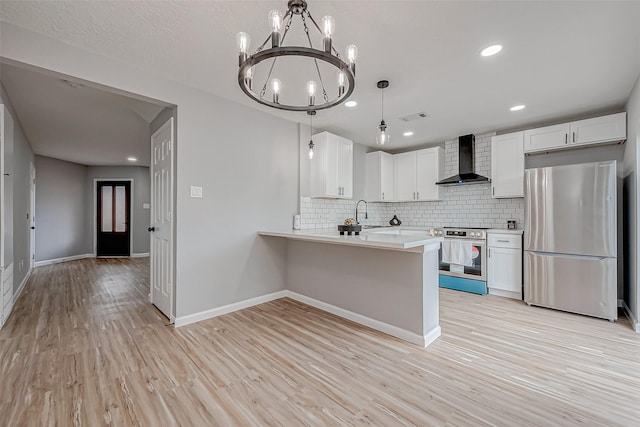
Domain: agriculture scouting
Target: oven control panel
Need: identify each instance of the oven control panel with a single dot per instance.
(459, 233)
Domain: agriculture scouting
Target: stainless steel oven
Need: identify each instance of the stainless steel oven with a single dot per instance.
(471, 278)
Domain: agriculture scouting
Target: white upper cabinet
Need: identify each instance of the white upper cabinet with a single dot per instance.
(507, 165)
(417, 173)
(405, 168)
(429, 170)
(380, 177)
(598, 130)
(612, 128)
(332, 167)
(546, 138)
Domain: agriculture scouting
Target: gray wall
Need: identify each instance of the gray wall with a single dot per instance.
(631, 191)
(140, 194)
(65, 207)
(61, 206)
(245, 160)
(22, 156)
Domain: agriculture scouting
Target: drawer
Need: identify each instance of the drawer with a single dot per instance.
(513, 241)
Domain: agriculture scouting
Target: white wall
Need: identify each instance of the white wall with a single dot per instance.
(22, 157)
(245, 160)
(61, 206)
(632, 193)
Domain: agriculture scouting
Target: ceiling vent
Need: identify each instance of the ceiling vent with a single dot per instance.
(416, 116)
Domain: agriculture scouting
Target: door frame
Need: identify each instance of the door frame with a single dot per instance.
(32, 213)
(95, 213)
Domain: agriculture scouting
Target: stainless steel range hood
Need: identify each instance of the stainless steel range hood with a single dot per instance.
(466, 164)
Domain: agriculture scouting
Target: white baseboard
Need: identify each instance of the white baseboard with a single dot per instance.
(140, 255)
(432, 336)
(505, 294)
(634, 322)
(16, 295)
(65, 259)
(226, 309)
(395, 331)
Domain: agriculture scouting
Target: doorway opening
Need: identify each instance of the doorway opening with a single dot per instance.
(113, 218)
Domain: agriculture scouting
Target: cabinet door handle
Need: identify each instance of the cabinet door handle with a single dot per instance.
(418, 195)
(493, 191)
(574, 137)
(502, 241)
(566, 138)
(383, 195)
(414, 195)
(489, 252)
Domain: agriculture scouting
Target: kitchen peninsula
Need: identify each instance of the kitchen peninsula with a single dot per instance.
(386, 279)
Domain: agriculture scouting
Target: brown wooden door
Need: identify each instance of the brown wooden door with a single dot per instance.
(114, 207)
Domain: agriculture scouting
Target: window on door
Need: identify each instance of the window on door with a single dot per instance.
(113, 218)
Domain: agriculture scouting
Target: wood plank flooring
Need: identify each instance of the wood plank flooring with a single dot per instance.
(84, 348)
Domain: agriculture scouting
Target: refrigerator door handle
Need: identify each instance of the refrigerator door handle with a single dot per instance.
(595, 258)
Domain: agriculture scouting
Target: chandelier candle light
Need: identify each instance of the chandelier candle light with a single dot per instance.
(280, 25)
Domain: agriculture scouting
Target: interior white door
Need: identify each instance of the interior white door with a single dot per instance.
(161, 228)
(32, 216)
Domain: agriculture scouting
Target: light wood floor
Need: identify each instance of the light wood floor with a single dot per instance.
(84, 347)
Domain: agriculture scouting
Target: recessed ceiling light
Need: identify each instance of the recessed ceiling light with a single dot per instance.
(350, 104)
(409, 133)
(491, 50)
(132, 159)
(517, 108)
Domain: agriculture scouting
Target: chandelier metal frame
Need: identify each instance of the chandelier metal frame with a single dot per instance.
(329, 55)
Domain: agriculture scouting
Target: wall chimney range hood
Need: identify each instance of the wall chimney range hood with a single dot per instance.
(466, 164)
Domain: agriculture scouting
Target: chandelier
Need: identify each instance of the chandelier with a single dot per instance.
(327, 57)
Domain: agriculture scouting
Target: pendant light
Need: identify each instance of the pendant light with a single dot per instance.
(382, 137)
(311, 144)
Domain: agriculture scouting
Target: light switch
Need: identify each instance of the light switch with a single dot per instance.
(146, 206)
(196, 192)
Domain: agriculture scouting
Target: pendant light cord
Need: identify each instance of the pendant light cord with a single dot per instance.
(382, 106)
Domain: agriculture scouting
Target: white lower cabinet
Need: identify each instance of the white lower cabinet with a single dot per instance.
(504, 269)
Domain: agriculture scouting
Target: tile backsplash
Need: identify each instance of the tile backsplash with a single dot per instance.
(462, 206)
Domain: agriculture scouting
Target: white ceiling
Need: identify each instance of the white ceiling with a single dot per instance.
(83, 124)
(561, 59)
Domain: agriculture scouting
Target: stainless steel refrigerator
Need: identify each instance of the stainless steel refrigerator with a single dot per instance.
(570, 259)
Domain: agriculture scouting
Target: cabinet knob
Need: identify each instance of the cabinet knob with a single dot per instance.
(151, 229)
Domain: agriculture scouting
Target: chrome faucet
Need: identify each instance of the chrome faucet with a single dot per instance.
(366, 215)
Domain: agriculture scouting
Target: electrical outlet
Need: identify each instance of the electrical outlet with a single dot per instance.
(196, 192)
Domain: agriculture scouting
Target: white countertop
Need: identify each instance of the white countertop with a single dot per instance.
(384, 238)
(505, 231)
